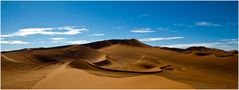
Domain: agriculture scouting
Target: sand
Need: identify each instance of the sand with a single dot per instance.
(77, 78)
(131, 65)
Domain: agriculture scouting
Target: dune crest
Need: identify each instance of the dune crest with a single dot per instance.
(122, 63)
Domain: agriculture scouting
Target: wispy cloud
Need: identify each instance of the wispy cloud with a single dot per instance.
(165, 29)
(98, 34)
(159, 39)
(228, 40)
(203, 23)
(13, 42)
(225, 44)
(66, 30)
(142, 30)
(78, 42)
(192, 44)
(58, 39)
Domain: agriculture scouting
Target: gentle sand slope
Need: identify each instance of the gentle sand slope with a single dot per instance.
(76, 78)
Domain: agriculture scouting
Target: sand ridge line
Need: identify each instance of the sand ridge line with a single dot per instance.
(52, 74)
(38, 81)
(9, 59)
(115, 70)
(82, 80)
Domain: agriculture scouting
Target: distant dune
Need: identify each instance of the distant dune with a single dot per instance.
(119, 64)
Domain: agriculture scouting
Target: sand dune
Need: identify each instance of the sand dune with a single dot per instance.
(119, 64)
(81, 79)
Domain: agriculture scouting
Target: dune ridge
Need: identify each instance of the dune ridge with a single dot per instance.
(128, 60)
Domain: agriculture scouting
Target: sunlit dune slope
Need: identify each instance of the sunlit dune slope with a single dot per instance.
(221, 72)
(120, 63)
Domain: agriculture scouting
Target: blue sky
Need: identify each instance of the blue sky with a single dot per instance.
(159, 23)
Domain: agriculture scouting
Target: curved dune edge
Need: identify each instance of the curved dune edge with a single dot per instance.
(78, 64)
(72, 78)
(30, 68)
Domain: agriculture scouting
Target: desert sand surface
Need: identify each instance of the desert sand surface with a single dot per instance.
(79, 79)
(119, 64)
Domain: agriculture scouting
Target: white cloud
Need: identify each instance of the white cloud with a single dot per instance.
(98, 34)
(142, 30)
(228, 40)
(14, 42)
(78, 42)
(192, 44)
(29, 31)
(57, 39)
(66, 30)
(71, 30)
(165, 29)
(203, 23)
(159, 39)
(225, 44)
